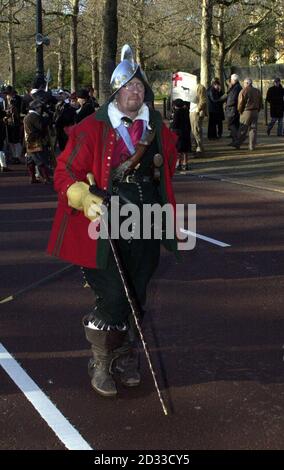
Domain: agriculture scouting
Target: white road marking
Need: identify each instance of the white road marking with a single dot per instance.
(240, 183)
(64, 430)
(203, 237)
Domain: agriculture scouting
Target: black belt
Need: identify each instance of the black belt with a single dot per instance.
(137, 179)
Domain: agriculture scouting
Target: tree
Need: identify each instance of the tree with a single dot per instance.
(109, 47)
(236, 20)
(205, 47)
(9, 12)
(11, 45)
(74, 44)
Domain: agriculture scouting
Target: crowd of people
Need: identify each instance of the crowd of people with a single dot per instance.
(239, 106)
(34, 127)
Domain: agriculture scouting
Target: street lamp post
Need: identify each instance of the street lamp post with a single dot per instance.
(39, 47)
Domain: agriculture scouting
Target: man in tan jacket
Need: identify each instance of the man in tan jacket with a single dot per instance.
(198, 110)
(249, 105)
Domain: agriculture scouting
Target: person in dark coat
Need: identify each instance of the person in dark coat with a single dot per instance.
(36, 138)
(215, 110)
(11, 94)
(2, 129)
(275, 97)
(64, 117)
(93, 98)
(231, 110)
(86, 107)
(26, 100)
(13, 123)
(3, 159)
(181, 126)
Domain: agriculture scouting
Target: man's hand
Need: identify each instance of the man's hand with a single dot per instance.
(80, 198)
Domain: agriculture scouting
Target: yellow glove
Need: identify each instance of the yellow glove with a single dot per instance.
(80, 198)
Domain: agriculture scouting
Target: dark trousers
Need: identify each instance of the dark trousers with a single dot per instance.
(140, 259)
(62, 138)
(215, 126)
(279, 125)
(233, 126)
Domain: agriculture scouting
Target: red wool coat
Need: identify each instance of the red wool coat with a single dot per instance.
(90, 148)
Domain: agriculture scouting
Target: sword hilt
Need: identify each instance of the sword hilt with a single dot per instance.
(97, 191)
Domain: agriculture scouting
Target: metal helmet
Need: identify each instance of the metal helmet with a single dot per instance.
(125, 71)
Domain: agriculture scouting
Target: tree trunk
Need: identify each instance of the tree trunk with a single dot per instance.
(94, 63)
(11, 48)
(109, 47)
(138, 36)
(95, 76)
(61, 64)
(206, 27)
(74, 45)
(220, 52)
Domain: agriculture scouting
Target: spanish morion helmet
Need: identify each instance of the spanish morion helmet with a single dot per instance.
(125, 71)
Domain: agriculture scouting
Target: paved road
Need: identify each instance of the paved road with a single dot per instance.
(214, 324)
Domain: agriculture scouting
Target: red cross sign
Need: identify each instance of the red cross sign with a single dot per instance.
(175, 78)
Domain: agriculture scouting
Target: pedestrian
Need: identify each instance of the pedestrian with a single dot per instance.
(13, 122)
(86, 106)
(275, 97)
(63, 117)
(26, 100)
(197, 112)
(36, 141)
(108, 144)
(92, 98)
(180, 124)
(73, 101)
(215, 110)
(249, 105)
(3, 159)
(231, 109)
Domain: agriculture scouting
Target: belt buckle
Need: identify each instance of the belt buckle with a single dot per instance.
(129, 179)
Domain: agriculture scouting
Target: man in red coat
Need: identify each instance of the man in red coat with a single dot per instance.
(107, 144)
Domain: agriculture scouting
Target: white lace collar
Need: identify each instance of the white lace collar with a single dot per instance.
(115, 114)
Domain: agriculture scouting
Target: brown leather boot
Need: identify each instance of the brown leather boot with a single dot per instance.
(100, 367)
(127, 363)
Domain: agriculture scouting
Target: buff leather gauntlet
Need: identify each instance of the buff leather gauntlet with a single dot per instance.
(80, 198)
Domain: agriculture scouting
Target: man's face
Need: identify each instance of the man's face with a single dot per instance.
(81, 101)
(131, 96)
(277, 83)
